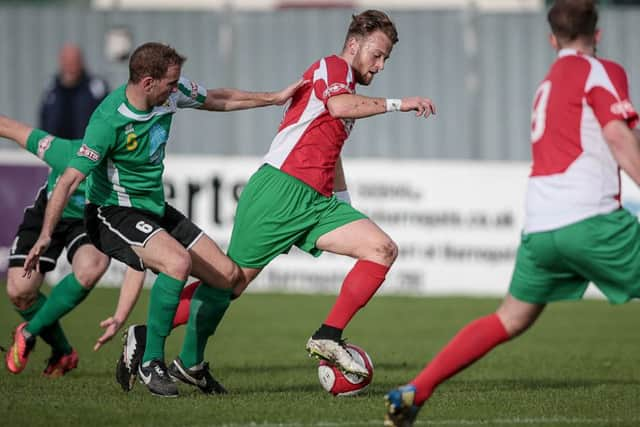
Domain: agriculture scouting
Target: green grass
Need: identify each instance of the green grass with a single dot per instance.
(579, 365)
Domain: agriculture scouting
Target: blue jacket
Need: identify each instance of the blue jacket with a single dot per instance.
(65, 112)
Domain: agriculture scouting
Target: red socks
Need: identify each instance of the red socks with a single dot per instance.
(470, 344)
(358, 287)
(182, 312)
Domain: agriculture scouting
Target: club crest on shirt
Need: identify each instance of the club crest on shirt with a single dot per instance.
(157, 138)
(44, 144)
(87, 152)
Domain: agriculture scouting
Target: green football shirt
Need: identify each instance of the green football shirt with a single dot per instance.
(123, 149)
(57, 153)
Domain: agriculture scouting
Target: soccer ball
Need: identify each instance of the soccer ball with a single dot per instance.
(339, 383)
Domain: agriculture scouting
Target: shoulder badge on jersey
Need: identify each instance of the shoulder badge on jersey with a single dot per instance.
(194, 90)
(44, 144)
(334, 88)
(622, 108)
(87, 152)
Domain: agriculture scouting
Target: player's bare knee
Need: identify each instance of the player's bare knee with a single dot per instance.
(178, 265)
(239, 282)
(87, 277)
(23, 302)
(386, 251)
(237, 277)
(89, 270)
(21, 298)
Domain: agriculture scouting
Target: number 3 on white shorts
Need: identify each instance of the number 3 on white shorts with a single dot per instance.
(539, 116)
(144, 227)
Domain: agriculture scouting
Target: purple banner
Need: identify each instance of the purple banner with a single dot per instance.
(18, 189)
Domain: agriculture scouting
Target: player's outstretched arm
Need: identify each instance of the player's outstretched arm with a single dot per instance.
(236, 99)
(129, 293)
(14, 130)
(353, 106)
(625, 147)
(66, 185)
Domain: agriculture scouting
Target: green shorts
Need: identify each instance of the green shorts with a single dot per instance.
(277, 211)
(559, 264)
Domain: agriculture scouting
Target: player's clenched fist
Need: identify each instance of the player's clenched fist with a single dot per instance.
(422, 106)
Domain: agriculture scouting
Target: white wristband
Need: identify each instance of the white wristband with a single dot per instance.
(343, 196)
(393, 104)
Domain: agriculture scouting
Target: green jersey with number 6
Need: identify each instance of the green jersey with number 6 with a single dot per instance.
(123, 149)
(57, 153)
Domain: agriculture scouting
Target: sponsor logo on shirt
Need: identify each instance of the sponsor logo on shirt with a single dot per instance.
(622, 108)
(44, 144)
(87, 152)
(335, 88)
(194, 90)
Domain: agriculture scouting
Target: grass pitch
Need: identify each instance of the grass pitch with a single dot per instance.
(579, 365)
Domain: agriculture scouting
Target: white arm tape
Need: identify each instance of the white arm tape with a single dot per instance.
(393, 104)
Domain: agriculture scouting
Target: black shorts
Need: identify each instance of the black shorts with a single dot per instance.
(69, 233)
(114, 229)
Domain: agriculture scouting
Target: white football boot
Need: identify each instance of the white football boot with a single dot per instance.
(335, 353)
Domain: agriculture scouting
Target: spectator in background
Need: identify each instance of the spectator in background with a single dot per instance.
(72, 96)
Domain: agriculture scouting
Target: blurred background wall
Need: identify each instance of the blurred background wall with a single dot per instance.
(449, 189)
(480, 65)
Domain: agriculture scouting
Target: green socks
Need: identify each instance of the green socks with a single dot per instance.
(165, 296)
(63, 298)
(208, 306)
(53, 334)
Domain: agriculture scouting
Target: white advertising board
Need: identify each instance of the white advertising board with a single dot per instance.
(457, 224)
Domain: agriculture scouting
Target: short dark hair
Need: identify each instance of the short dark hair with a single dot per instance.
(152, 60)
(369, 21)
(571, 19)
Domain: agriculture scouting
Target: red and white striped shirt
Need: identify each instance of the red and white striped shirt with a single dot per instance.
(574, 175)
(309, 140)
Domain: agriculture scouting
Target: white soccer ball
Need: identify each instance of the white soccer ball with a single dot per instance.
(339, 383)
